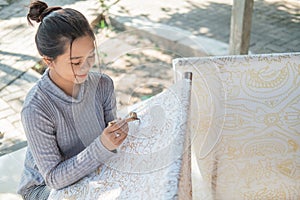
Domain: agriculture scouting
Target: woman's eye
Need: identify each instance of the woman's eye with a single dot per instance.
(76, 64)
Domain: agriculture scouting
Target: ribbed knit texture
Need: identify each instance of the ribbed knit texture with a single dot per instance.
(39, 192)
(63, 133)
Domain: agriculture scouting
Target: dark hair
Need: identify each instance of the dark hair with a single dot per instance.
(58, 27)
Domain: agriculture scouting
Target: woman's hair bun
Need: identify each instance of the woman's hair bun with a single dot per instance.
(38, 10)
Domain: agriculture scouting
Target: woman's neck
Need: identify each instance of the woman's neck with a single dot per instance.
(70, 88)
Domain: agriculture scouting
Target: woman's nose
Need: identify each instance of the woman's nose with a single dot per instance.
(86, 65)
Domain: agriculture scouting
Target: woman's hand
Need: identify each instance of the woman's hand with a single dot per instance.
(113, 135)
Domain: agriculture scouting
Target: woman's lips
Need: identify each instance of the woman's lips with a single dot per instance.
(81, 76)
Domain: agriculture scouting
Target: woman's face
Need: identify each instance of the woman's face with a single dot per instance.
(73, 67)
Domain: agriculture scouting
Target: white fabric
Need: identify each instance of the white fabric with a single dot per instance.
(246, 125)
(149, 162)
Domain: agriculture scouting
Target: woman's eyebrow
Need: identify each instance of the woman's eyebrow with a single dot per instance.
(74, 58)
(77, 57)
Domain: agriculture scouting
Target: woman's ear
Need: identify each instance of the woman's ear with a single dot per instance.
(48, 61)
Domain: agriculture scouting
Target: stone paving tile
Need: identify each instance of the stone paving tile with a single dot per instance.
(16, 117)
(3, 105)
(11, 101)
(6, 113)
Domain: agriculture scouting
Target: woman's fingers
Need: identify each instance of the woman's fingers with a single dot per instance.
(114, 134)
(120, 133)
(113, 125)
(119, 126)
(123, 129)
(120, 139)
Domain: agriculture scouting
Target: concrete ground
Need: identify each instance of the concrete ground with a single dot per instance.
(182, 28)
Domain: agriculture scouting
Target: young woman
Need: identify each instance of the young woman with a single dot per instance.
(66, 114)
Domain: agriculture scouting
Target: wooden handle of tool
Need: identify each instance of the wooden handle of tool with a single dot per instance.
(132, 117)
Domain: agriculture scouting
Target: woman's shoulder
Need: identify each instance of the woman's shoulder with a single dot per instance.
(32, 96)
(35, 97)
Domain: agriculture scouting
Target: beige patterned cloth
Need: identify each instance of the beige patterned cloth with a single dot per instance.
(152, 162)
(245, 126)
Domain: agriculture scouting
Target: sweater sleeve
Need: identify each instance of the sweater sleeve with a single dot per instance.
(109, 99)
(57, 172)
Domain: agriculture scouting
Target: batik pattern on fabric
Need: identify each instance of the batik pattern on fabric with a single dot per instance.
(148, 164)
(246, 125)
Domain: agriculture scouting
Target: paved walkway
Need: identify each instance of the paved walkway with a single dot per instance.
(275, 28)
(275, 23)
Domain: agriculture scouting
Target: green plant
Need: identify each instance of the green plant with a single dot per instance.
(40, 67)
(104, 15)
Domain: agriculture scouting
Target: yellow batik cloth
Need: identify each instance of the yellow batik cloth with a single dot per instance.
(245, 113)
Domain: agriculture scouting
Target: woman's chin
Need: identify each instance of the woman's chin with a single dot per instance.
(80, 79)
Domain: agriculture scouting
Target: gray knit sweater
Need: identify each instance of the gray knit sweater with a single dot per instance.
(63, 132)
